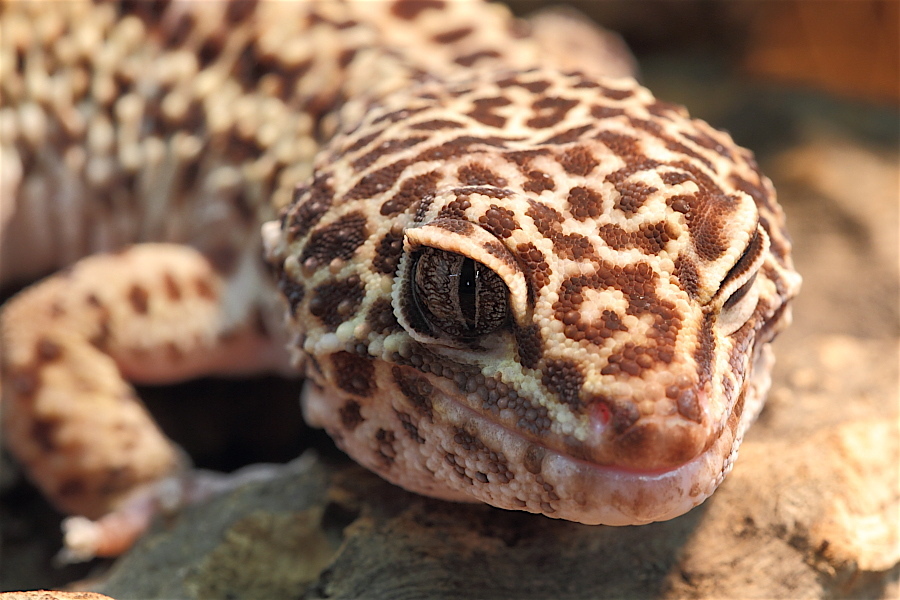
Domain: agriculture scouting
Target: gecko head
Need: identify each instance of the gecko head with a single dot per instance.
(557, 302)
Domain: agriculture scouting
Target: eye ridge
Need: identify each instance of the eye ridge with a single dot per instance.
(754, 247)
(458, 295)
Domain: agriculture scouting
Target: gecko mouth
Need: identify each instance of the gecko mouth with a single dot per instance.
(562, 485)
(446, 449)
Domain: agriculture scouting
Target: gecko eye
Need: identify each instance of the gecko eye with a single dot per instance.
(737, 288)
(458, 295)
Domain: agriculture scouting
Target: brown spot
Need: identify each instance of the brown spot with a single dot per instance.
(139, 299)
(500, 221)
(100, 339)
(411, 192)
(454, 35)
(377, 182)
(568, 136)
(578, 161)
(624, 414)
(476, 174)
(360, 143)
(468, 60)
(353, 373)
(240, 10)
(483, 112)
(688, 405)
(565, 379)
(346, 57)
(436, 125)
(43, 432)
(416, 388)
(538, 181)
(334, 302)
(386, 149)
(535, 87)
(584, 203)
(624, 146)
(454, 226)
(411, 9)
(173, 291)
(687, 275)
(205, 288)
(574, 246)
(47, 350)
(649, 238)
(529, 346)
(546, 219)
(461, 146)
(456, 209)
(388, 252)
(606, 112)
(381, 317)
(533, 262)
(308, 206)
(549, 111)
(613, 94)
(704, 354)
(350, 414)
(398, 115)
(335, 241)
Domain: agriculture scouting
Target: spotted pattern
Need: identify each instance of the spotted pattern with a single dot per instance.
(633, 261)
(620, 228)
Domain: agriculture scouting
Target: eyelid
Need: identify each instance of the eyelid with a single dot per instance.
(745, 268)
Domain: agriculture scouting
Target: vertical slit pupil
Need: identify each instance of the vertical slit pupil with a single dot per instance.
(468, 275)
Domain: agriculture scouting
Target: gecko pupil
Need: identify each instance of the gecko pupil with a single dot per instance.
(468, 290)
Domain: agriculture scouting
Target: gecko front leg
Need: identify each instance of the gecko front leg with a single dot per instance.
(153, 313)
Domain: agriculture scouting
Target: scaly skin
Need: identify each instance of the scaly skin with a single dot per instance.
(508, 278)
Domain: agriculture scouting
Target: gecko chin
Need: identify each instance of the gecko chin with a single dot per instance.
(429, 442)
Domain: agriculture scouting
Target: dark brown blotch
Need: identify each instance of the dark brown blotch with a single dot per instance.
(476, 174)
(549, 111)
(351, 415)
(483, 111)
(499, 221)
(415, 388)
(584, 203)
(47, 350)
(388, 252)
(578, 161)
(334, 302)
(529, 346)
(354, 373)
(409, 10)
(139, 299)
(565, 379)
(336, 241)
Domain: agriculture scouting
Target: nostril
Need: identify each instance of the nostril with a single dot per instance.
(620, 414)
